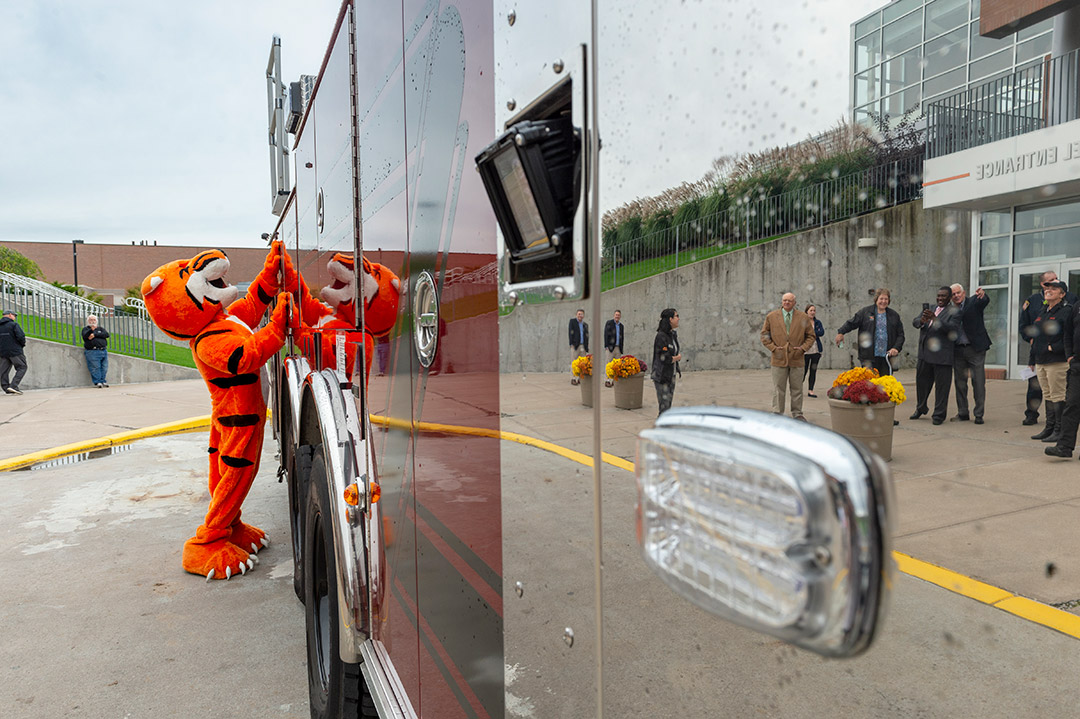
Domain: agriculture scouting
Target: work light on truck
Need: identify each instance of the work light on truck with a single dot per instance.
(771, 523)
(531, 174)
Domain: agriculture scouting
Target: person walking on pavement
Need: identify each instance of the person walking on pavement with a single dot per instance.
(1051, 348)
(937, 327)
(969, 355)
(1069, 419)
(614, 337)
(12, 342)
(1028, 312)
(579, 338)
(813, 354)
(665, 359)
(881, 333)
(95, 341)
(787, 333)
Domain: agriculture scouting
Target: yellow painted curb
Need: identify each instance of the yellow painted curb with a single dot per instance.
(185, 425)
(1029, 609)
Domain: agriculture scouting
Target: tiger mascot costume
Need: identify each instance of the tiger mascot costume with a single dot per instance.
(190, 300)
(381, 293)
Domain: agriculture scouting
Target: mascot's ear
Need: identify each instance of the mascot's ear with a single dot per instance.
(151, 283)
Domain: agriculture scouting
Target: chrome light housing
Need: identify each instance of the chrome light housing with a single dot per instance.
(775, 524)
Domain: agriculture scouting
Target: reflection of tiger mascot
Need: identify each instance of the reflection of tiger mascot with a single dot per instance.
(381, 289)
(187, 299)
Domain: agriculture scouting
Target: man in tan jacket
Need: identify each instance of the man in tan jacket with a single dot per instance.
(787, 334)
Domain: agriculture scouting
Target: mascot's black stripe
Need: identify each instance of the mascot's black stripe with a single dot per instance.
(263, 297)
(211, 333)
(237, 381)
(178, 336)
(197, 303)
(237, 462)
(239, 420)
(209, 257)
(211, 450)
(234, 359)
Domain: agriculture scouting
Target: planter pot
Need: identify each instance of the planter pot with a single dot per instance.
(628, 391)
(586, 389)
(871, 424)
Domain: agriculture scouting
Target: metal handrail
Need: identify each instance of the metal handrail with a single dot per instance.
(755, 218)
(49, 312)
(1039, 96)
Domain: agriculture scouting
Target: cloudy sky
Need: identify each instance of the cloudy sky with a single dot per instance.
(129, 121)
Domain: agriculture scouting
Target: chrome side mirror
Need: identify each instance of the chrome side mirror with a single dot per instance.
(774, 524)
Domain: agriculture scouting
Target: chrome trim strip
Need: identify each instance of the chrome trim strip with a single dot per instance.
(296, 370)
(385, 686)
(348, 539)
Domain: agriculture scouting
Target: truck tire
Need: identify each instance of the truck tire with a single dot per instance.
(335, 689)
(297, 463)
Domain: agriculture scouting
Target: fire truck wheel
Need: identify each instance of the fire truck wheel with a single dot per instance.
(335, 688)
(297, 463)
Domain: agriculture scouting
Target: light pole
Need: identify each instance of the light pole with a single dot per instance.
(75, 259)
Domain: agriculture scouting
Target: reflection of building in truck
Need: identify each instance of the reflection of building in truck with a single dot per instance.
(398, 484)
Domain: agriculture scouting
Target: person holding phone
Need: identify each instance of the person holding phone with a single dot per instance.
(938, 328)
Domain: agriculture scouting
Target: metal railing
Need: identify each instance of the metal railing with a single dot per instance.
(1030, 99)
(763, 217)
(50, 313)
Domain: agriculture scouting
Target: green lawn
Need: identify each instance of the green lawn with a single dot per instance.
(53, 331)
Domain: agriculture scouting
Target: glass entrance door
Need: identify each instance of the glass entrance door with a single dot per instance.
(1025, 282)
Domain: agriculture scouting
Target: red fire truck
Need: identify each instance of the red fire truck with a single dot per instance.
(445, 569)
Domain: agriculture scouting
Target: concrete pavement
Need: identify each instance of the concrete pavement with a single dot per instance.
(983, 501)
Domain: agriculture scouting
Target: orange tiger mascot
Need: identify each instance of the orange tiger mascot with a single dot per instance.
(189, 299)
(381, 289)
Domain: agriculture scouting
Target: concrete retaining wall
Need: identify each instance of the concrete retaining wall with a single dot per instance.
(723, 301)
(50, 365)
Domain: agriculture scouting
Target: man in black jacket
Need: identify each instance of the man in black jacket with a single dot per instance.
(1070, 415)
(1051, 348)
(579, 338)
(614, 337)
(1028, 312)
(12, 342)
(969, 355)
(938, 328)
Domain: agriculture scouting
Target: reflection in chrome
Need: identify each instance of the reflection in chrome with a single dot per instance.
(774, 524)
(426, 318)
(76, 458)
(325, 397)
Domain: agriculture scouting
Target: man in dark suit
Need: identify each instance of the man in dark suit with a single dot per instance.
(614, 336)
(938, 328)
(579, 338)
(969, 354)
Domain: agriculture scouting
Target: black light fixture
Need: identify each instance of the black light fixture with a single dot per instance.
(532, 174)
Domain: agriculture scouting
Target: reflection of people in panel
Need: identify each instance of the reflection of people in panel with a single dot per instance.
(665, 359)
(614, 339)
(579, 338)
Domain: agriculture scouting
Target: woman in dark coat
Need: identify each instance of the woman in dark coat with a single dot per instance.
(881, 333)
(665, 358)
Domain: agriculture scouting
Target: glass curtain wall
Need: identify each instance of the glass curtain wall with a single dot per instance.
(913, 51)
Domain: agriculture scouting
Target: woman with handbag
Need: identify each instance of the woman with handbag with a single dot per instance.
(665, 360)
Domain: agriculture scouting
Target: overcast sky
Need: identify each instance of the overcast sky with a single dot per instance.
(128, 121)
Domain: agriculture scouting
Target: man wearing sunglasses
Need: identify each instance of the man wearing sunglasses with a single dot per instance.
(1030, 310)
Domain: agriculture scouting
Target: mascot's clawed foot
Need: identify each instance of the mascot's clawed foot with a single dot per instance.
(219, 559)
(248, 537)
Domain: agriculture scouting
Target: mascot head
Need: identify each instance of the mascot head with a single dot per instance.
(183, 296)
(339, 293)
(382, 290)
